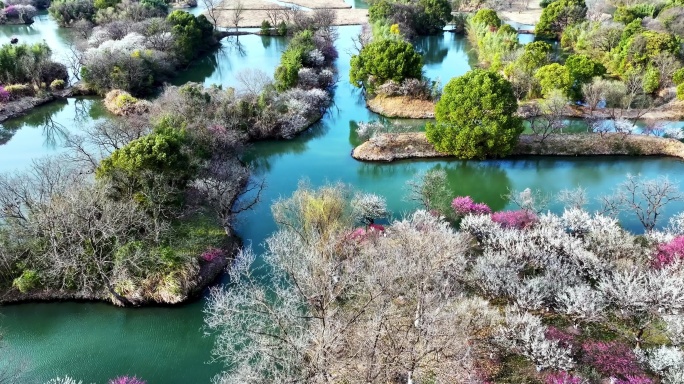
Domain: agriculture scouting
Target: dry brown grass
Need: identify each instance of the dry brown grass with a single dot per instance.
(389, 147)
(402, 106)
(255, 11)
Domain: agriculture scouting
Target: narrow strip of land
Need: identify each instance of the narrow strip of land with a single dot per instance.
(254, 12)
(390, 147)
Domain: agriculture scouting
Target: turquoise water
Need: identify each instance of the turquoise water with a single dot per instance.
(94, 342)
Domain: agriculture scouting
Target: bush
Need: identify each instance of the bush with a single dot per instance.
(651, 80)
(57, 85)
(669, 252)
(464, 205)
(28, 280)
(678, 76)
(476, 117)
(519, 219)
(680, 91)
(582, 70)
(487, 17)
(266, 27)
(17, 91)
(23, 63)
(193, 34)
(553, 76)
(383, 60)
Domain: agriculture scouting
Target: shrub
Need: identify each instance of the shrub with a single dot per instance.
(4, 95)
(266, 27)
(678, 76)
(651, 81)
(669, 253)
(57, 84)
(554, 76)
(383, 60)
(126, 380)
(519, 219)
(611, 358)
(28, 280)
(23, 63)
(464, 205)
(193, 34)
(476, 117)
(19, 90)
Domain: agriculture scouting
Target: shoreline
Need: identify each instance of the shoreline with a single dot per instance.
(401, 146)
(405, 107)
(208, 274)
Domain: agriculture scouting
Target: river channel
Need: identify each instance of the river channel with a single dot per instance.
(94, 342)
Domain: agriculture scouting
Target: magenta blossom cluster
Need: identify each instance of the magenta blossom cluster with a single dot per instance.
(563, 378)
(633, 380)
(11, 10)
(464, 205)
(4, 95)
(669, 253)
(520, 219)
(212, 254)
(564, 339)
(127, 380)
(611, 359)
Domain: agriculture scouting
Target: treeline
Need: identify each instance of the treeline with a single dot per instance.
(512, 296)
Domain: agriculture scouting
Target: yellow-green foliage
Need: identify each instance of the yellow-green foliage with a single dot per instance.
(492, 44)
(124, 100)
(322, 211)
(57, 84)
(680, 91)
(19, 90)
(28, 280)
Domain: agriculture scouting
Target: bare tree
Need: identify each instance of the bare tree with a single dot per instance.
(548, 116)
(594, 93)
(212, 11)
(429, 189)
(236, 13)
(253, 81)
(644, 198)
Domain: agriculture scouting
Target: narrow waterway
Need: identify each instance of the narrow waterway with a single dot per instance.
(166, 345)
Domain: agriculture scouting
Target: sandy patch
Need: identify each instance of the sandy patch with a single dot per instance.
(256, 11)
(528, 16)
(402, 106)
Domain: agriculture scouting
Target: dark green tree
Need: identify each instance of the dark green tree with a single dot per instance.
(582, 70)
(435, 15)
(384, 60)
(487, 17)
(554, 76)
(476, 117)
(559, 15)
(193, 35)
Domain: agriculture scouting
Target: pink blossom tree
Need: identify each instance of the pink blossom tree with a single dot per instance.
(519, 219)
(669, 253)
(464, 205)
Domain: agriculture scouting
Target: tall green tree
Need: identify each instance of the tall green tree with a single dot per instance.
(384, 60)
(559, 15)
(476, 117)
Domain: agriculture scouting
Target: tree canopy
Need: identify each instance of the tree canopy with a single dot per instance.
(476, 117)
(384, 60)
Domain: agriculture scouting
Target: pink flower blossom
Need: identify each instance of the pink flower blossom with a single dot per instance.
(634, 380)
(564, 339)
(670, 252)
(612, 359)
(212, 254)
(127, 380)
(520, 219)
(11, 11)
(4, 95)
(464, 205)
(562, 378)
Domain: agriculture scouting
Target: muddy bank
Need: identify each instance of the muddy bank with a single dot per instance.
(390, 147)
